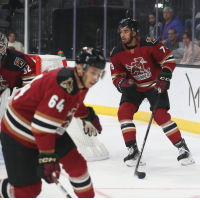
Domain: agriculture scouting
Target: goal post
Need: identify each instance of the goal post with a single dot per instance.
(89, 146)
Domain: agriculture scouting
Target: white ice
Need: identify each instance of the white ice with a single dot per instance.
(165, 176)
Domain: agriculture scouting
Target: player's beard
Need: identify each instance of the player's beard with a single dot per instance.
(129, 41)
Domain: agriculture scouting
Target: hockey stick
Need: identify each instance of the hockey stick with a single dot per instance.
(142, 175)
(63, 190)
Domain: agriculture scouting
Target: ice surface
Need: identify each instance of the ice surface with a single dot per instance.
(165, 176)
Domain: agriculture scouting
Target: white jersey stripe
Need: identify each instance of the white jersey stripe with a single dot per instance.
(32, 77)
(46, 121)
(147, 85)
(18, 120)
(18, 130)
(43, 129)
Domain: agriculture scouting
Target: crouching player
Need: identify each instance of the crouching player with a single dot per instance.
(32, 148)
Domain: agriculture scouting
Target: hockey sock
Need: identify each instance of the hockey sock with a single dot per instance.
(6, 190)
(9, 191)
(30, 191)
(169, 127)
(125, 117)
(82, 185)
(75, 165)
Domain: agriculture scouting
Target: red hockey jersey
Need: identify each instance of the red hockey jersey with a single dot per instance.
(142, 64)
(16, 70)
(41, 107)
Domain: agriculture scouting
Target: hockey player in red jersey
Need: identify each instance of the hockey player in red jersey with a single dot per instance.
(16, 70)
(139, 66)
(32, 146)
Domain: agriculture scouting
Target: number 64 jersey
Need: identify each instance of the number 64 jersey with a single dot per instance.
(142, 64)
(39, 108)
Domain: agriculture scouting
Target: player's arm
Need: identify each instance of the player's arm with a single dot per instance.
(166, 59)
(28, 73)
(119, 73)
(49, 115)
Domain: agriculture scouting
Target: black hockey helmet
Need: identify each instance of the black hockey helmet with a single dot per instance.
(89, 56)
(129, 23)
(3, 45)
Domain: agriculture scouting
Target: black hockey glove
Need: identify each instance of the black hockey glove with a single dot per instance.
(126, 87)
(164, 80)
(91, 124)
(48, 163)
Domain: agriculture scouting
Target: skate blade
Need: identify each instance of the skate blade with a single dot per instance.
(132, 163)
(187, 161)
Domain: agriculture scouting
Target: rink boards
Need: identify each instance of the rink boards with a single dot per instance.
(184, 95)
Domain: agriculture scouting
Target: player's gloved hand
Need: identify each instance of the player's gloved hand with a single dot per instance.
(48, 163)
(15, 90)
(91, 123)
(126, 87)
(164, 80)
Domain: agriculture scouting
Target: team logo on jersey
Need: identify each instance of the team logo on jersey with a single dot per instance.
(70, 115)
(137, 69)
(68, 85)
(152, 40)
(19, 62)
(2, 87)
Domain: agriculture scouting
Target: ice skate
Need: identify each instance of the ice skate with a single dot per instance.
(185, 156)
(131, 159)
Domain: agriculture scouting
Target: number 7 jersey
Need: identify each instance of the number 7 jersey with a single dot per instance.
(142, 64)
(36, 111)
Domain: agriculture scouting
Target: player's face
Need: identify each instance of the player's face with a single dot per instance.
(91, 76)
(11, 38)
(186, 40)
(125, 34)
(152, 19)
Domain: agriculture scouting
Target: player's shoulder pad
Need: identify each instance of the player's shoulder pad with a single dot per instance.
(17, 57)
(116, 50)
(67, 81)
(148, 41)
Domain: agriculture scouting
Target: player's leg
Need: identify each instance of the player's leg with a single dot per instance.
(21, 163)
(128, 107)
(170, 128)
(75, 165)
(5, 99)
(9, 191)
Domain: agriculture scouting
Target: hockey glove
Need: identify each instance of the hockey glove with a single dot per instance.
(126, 87)
(164, 80)
(48, 163)
(91, 124)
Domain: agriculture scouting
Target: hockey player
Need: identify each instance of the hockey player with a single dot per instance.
(31, 147)
(139, 66)
(16, 70)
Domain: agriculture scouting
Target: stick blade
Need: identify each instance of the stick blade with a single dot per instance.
(140, 175)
